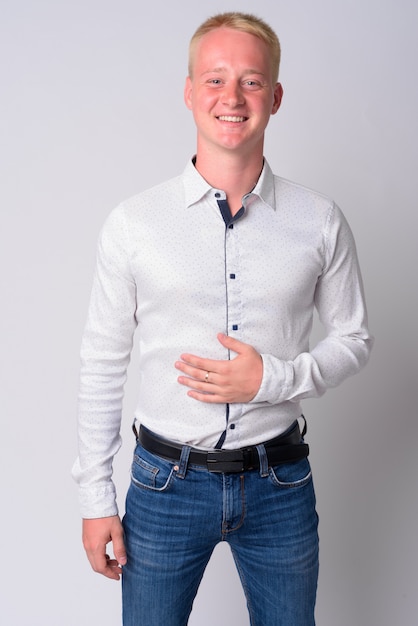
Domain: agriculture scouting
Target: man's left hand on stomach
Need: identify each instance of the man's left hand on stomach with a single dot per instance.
(218, 381)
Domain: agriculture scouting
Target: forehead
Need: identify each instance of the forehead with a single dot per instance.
(227, 47)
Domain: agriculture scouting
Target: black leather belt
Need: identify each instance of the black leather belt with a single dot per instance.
(285, 448)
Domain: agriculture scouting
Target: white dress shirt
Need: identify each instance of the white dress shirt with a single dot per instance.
(169, 266)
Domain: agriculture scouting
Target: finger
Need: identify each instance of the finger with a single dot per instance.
(207, 365)
(208, 398)
(204, 386)
(113, 570)
(232, 344)
(119, 549)
(197, 373)
(102, 564)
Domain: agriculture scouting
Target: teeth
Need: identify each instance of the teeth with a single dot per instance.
(231, 118)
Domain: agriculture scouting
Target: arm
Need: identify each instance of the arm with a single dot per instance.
(105, 355)
(340, 302)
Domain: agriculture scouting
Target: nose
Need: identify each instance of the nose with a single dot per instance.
(232, 95)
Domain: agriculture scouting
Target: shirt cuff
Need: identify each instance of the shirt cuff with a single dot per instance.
(98, 502)
(277, 380)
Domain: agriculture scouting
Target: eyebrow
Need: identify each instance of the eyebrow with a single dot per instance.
(218, 70)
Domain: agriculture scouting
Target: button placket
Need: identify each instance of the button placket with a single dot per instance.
(233, 284)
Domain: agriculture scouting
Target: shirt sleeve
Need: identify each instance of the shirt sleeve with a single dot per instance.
(339, 299)
(105, 355)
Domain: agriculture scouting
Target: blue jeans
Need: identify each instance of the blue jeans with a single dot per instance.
(176, 513)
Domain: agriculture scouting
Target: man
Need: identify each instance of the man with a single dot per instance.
(220, 269)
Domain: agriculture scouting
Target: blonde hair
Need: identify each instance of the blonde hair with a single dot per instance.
(246, 23)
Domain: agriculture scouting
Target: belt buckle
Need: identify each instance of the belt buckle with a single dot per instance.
(225, 461)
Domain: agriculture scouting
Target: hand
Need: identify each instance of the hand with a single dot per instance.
(217, 381)
(97, 533)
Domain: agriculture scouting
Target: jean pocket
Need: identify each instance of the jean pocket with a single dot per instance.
(151, 472)
(291, 475)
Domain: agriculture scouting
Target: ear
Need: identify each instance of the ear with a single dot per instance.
(188, 92)
(278, 95)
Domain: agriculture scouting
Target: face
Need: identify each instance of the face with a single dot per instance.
(231, 92)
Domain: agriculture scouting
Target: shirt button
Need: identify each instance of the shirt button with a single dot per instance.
(232, 276)
(234, 326)
(217, 194)
(232, 426)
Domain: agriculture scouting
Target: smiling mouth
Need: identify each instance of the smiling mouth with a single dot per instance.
(231, 118)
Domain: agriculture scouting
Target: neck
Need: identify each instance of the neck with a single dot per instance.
(235, 174)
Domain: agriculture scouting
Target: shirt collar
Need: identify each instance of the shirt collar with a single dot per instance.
(195, 186)
(264, 188)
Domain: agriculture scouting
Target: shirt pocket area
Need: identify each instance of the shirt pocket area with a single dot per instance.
(291, 475)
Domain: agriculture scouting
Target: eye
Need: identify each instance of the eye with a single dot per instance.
(215, 81)
(253, 84)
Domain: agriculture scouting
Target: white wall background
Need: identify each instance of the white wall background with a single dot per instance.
(91, 113)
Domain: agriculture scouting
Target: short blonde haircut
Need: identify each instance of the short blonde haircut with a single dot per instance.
(246, 23)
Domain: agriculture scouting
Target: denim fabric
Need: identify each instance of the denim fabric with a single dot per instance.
(175, 515)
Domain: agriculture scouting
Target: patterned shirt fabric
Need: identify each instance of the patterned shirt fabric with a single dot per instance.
(173, 269)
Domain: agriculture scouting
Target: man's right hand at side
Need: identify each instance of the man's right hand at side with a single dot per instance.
(97, 533)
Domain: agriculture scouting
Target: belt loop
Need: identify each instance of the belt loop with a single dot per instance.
(262, 455)
(184, 460)
(134, 429)
(305, 426)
